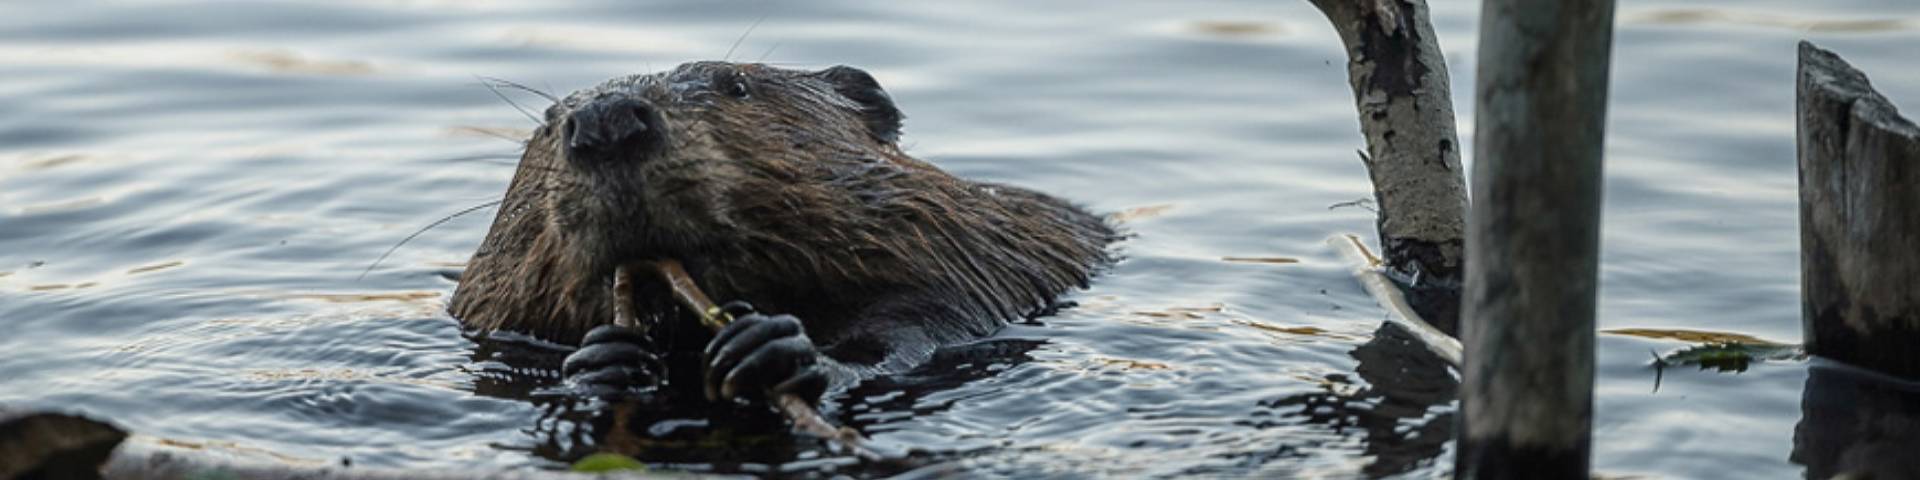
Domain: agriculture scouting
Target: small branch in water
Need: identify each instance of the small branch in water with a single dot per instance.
(1368, 271)
(796, 409)
(623, 298)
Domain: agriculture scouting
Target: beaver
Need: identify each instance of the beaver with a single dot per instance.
(782, 188)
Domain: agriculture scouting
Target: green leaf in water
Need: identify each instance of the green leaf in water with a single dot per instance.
(608, 462)
(1732, 356)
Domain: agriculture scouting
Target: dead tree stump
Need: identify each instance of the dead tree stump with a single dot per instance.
(1859, 219)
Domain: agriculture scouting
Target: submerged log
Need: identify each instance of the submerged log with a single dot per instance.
(1400, 87)
(1859, 219)
(1533, 239)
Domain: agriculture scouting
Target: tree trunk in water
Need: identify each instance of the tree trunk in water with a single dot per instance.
(1859, 219)
(1534, 239)
(1400, 86)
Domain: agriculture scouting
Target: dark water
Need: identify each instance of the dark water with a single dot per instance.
(190, 191)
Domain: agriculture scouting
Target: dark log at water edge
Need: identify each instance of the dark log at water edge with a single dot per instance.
(1859, 219)
(1533, 239)
(54, 445)
(50, 445)
(1400, 87)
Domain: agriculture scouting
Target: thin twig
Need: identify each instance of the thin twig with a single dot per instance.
(796, 409)
(623, 297)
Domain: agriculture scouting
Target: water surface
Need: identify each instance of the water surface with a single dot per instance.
(189, 193)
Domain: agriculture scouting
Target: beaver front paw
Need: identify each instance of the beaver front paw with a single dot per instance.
(759, 356)
(611, 360)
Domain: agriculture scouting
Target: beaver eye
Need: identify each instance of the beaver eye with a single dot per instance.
(737, 88)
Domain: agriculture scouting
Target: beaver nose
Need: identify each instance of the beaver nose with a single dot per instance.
(614, 128)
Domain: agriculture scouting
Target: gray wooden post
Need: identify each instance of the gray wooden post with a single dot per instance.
(1400, 87)
(1859, 219)
(1533, 239)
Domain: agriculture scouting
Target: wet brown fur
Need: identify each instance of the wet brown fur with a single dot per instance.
(795, 198)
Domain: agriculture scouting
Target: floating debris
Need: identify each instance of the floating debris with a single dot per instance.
(1272, 260)
(1139, 213)
(155, 267)
(286, 61)
(1694, 336)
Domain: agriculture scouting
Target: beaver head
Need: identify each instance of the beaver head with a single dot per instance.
(784, 188)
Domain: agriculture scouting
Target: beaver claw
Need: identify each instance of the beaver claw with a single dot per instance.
(610, 360)
(759, 356)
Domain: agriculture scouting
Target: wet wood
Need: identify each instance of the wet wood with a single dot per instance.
(54, 445)
(1859, 219)
(1367, 270)
(798, 410)
(1533, 239)
(1400, 87)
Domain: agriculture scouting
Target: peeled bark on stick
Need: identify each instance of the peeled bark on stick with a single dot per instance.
(1533, 239)
(1400, 87)
(1859, 219)
(796, 409)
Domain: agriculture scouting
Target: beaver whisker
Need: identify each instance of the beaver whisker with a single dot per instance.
(521, 87)
(516, 141)
(495, 158)
(768, 53)
(743, 37)
(484, 81)
(416, 233)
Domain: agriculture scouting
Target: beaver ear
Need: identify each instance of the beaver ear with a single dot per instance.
(883, 119)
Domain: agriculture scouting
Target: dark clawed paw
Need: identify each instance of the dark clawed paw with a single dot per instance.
(758, 356)
(612, 359)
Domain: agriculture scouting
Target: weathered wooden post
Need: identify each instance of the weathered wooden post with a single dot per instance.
(1859, 219)
(1533, 239)
(1400, 86)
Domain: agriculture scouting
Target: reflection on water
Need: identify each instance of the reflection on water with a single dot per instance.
(1857, 424)
(190, 195)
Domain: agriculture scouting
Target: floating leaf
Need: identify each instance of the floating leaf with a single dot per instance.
(608, 462)
(1732, 356)
(1695, 336)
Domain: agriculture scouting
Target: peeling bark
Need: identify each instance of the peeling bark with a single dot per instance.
(1400, 87)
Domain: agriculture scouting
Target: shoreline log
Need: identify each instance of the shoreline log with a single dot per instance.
(1859, 219)
(1400, 88)
(1533, 239)
(42, 444)
(54, 445)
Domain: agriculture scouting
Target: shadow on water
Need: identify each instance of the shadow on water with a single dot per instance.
(1857, 424)
(674, 427)
(1854, 422)
(669, 426)
(1402, 413)
(1398, 411)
